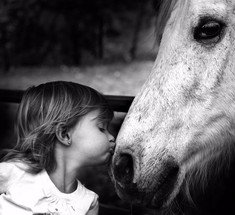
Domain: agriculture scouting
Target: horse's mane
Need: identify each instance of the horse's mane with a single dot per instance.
(164, 9)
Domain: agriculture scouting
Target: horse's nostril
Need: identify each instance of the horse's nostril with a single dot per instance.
(123, 169)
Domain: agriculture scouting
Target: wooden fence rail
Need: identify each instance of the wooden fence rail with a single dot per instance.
(118, 103)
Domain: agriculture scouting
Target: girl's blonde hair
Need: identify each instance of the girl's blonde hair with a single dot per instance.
(41, 110)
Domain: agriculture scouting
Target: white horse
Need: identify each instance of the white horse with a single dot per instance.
(176, 147)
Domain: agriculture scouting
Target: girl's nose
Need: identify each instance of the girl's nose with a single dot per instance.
(111, 138)
(112, 143)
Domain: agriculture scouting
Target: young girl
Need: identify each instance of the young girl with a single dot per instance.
(61, 128)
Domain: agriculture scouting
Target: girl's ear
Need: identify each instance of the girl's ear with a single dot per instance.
(63, 134)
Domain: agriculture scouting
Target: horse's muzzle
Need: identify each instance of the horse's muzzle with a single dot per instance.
(123, 169)
(123, 174)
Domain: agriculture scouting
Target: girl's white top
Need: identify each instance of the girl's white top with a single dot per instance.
(22, 193)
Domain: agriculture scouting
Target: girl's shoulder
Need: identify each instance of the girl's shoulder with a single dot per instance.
(10, 171)
(86, 195)
(11, 167)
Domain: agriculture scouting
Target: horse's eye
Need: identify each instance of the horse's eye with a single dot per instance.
(209, 32)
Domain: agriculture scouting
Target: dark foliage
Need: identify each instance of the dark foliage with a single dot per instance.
(36, 32)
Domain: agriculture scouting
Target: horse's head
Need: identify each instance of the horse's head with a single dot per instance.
(183, 120)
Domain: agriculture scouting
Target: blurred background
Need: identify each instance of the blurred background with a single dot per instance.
(106, 44)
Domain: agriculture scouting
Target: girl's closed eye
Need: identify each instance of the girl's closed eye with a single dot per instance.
(102, 127)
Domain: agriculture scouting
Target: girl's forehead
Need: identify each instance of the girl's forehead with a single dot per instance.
(103, 116)
(93, 115)
(96, 115)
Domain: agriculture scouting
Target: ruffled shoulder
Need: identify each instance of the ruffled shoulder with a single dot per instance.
(95, 202)
(9, 173)
(86, 198)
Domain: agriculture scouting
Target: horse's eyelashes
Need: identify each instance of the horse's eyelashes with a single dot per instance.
(209, 32)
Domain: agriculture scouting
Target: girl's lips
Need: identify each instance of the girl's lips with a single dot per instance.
(111, 151)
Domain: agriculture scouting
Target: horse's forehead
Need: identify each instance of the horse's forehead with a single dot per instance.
(212, 4)
(218, 7)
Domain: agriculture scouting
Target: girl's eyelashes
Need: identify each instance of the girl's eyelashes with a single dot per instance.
(102, 129)
(103, 126)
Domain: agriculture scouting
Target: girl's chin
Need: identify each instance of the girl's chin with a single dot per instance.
(107, 159)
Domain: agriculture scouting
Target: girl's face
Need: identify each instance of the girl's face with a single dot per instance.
(92, 144)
